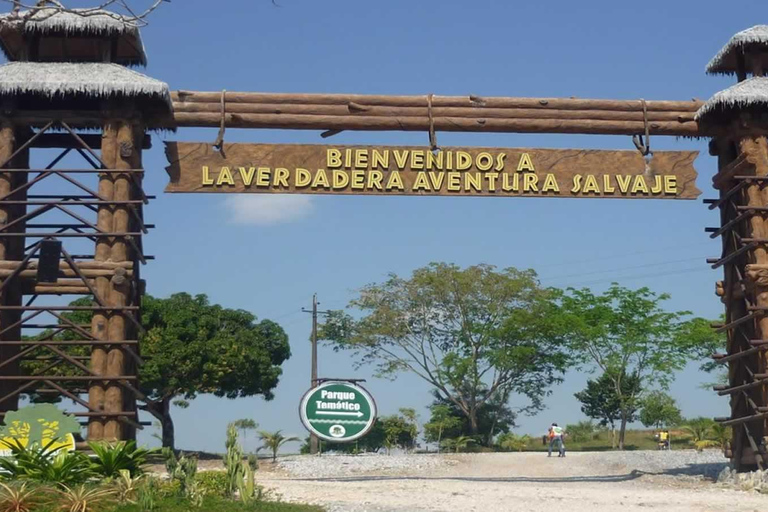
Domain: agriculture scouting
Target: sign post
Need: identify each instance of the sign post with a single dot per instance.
(338, 411)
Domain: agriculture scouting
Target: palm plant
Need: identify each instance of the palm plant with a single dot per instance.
(514, 442)
(110, 459)
(459, 443)
(699, 431)
(82, 498)
(18, 498)
(274, 440)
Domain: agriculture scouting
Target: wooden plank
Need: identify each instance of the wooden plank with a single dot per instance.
(487, 172)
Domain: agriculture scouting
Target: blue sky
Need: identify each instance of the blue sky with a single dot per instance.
(269, 254)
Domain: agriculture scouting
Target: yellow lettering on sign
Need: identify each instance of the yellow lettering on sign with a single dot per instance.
(333, 158)
(435, 160)
(207, 180)
(506, 186)
(340, 179)
(473, 180)
(525, 163)
(321, 180)
(401, 158)
(417, 159)
(500, 161)
(358, 180)
(639, 185)
(247, 175)
(658, 185)
(395, 181)
(576, 184)
(484, 161)
(361, 158)
(590, 185)
(491, 178)
(670, 185)
(530, 182)
(380, 160)
(624, 182)
(421, 182)
(436, 178)
(262, 177)
(225, 177)
(454, 182)
(550, 184)
(608, 187)
(303, 178)
(463, 160)
(347, 158)
(374, 180)
(281, 177)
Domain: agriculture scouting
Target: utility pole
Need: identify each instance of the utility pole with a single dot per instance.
(314, 442)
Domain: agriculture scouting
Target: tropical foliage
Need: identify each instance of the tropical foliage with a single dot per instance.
(274, 440)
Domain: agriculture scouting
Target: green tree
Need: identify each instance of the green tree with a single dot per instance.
(398, 432)
(274, 440)
(471, 333)
(513, 442)
(600, 401)
(493, 417)
(244, 425)
(627, 334)
(411, 420)
(659, 409)
(191, 347)
(441, 420)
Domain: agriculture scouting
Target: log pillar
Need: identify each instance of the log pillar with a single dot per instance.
(11, 249)
(100, 321)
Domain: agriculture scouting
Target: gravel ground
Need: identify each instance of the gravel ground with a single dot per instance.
(598, 482)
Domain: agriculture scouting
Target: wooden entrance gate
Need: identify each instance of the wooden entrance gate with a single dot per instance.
(67, 78)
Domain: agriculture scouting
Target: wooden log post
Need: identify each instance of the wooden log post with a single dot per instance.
(100, 321)
(120, 285)
(11, 249)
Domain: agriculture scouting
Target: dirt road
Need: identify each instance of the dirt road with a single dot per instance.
(530, 482)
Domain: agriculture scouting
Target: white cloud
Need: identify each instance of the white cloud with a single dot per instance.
(267, 209)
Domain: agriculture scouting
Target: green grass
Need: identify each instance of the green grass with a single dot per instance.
(221, 505)
(633, 440)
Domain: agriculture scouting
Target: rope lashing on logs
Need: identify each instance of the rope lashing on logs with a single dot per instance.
(432, 137)
(644, 145)
(219, 142)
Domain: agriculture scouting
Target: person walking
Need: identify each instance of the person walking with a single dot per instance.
(555, 435)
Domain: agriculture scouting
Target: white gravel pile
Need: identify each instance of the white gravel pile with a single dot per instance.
(332, 465)
(753, 481)
(708, 464)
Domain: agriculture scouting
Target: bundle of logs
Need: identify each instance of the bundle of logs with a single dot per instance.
(339, 112)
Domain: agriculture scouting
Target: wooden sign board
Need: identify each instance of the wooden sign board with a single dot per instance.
(486, 172)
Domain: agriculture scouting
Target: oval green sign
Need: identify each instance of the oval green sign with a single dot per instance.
(338, 411)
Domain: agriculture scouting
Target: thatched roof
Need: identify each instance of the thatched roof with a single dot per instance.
(94, 79)
(74, 27)
(751, 95)
(725, 61)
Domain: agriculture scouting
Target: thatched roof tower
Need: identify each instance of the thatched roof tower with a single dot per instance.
(747, 101)
(76, 61)
(741, 53)
(749, 96)
(51, 36)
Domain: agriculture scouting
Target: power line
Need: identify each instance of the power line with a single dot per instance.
(644, 276)
(647, 265)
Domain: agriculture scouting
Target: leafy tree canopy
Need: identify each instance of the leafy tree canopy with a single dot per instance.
(472, 333)
(660, 409)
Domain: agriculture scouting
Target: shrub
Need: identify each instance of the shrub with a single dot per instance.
(510, 441)
(213, 483)
(126, 486)
(39, 464)
(82, 498)
(110, 459)
(18, 498)
(582, 431)
(148, 494)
